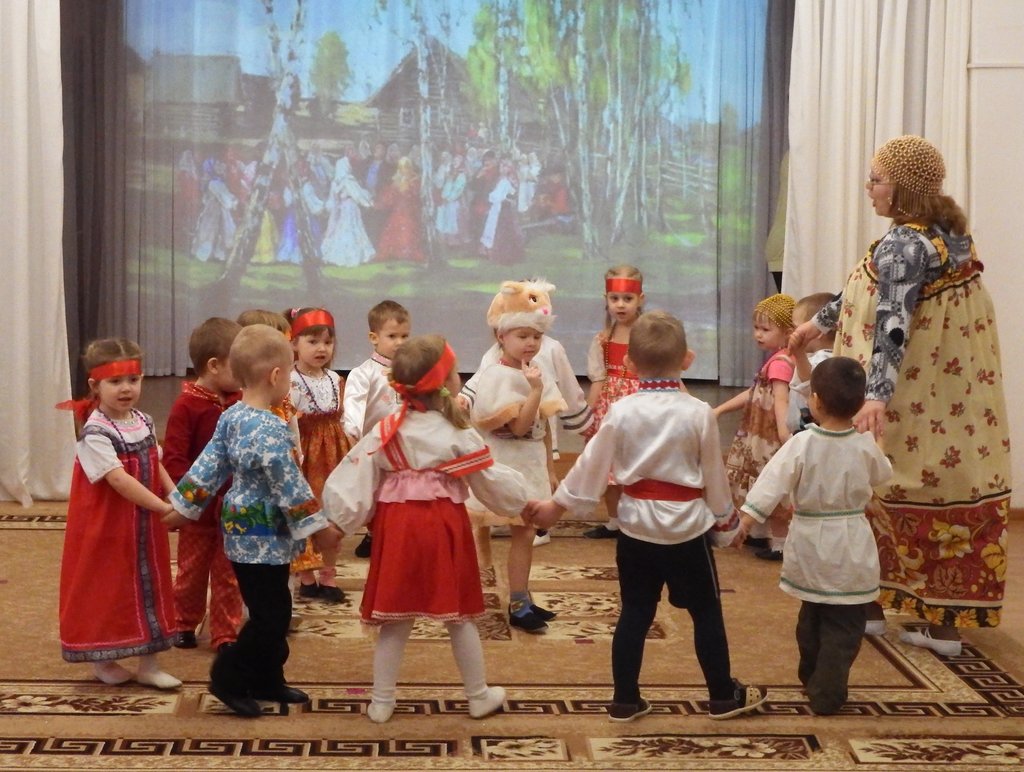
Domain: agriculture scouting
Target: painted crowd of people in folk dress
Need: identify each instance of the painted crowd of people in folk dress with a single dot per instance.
(366, 205)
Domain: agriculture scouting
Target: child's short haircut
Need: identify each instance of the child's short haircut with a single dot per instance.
(657, 343)
(257, 350)
(839, 383)
(384, 311)
(269, 318)
(211, 340)
(810, 305)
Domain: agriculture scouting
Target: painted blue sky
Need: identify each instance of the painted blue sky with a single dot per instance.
(722, 39)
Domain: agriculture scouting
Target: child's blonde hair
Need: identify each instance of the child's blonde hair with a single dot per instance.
(623, 271)
(269, 318)
(257, 350)
(777, 309)
(657, 344)
(412, 361)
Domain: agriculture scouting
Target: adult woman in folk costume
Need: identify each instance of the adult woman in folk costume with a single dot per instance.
(915, 313)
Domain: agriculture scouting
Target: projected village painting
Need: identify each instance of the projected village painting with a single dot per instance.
(297, 152)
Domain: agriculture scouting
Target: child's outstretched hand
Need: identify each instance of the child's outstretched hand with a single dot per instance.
(746, 523)
(327, 539)
(533, 376)
(542, 514)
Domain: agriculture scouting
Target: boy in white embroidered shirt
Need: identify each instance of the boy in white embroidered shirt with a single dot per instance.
(830, 561)
(368, 393)
(662, 445)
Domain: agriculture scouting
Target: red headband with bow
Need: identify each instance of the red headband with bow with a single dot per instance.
(431, 381)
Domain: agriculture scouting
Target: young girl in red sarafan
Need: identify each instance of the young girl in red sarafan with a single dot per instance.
(410, 476)
(116, 594)
(610, 378)
(317, 393)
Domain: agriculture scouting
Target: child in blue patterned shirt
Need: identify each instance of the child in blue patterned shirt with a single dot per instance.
(269, 510)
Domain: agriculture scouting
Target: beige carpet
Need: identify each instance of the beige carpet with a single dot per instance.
(909, 709)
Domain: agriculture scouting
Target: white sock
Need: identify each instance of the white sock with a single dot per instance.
(111, 672)
(777, 542)
(469, 656)
(387, 660)
(612, 524)
(150, 674)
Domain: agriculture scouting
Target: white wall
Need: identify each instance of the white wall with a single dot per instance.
(995, 204)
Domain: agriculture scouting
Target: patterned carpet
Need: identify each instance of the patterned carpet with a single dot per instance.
(909, 708)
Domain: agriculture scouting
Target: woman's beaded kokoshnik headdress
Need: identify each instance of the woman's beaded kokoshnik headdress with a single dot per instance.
(916, 166)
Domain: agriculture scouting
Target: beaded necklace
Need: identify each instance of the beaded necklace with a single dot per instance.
(134, 418)
(620, 370)
(312, 397)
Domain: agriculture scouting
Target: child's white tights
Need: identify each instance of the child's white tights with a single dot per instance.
(469, 656)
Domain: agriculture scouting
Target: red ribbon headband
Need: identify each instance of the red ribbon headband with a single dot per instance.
(434, 378)
(620, 284)
(315, 318)
(116, 369)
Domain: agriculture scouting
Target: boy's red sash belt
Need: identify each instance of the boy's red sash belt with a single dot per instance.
(659, 490)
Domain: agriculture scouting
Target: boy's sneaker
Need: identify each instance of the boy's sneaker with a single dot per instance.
(757, 542)
(767, 553)
(543, 613)
(543, 537)
(186, 639)
(628, 711)
(529, 622)
(601, 532)
(745, 699)
(331, 594)
(365, 547)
